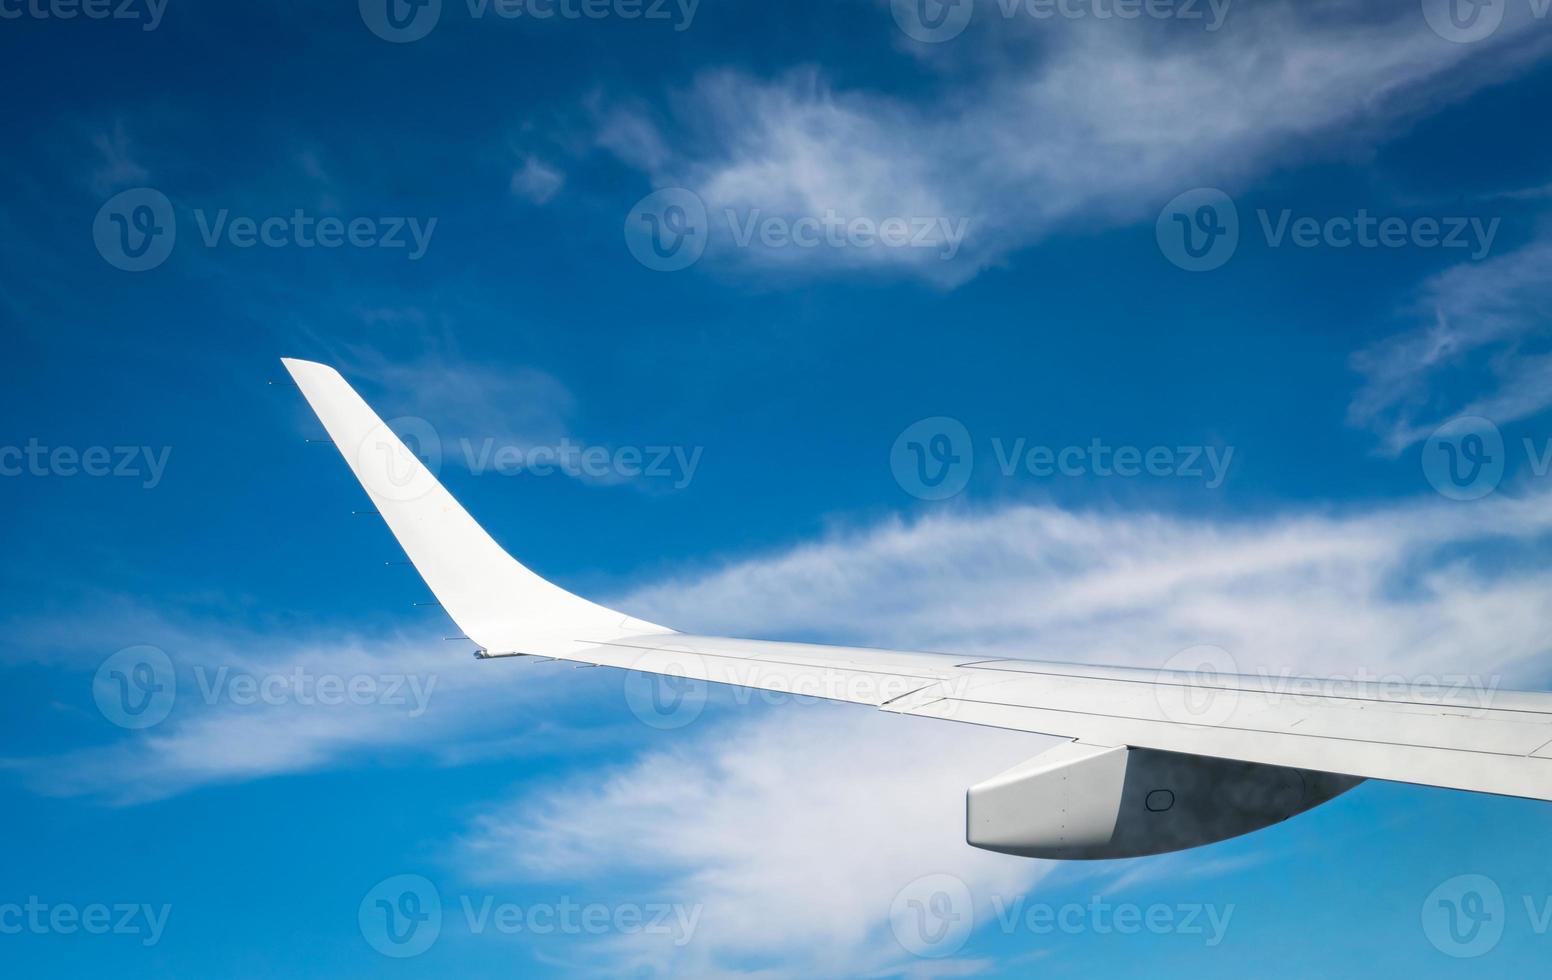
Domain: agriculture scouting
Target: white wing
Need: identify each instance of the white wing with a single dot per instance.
(1501, 746)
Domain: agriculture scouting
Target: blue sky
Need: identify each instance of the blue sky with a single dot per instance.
(747, 256)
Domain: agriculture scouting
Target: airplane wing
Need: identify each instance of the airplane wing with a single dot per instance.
(1228, 753)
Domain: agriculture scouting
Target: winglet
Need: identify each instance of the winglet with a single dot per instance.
(496, 601)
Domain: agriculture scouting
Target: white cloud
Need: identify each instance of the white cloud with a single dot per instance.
(413, 694)
(1477, 321)
(1099, 121)
(792, 831)
(118, 168)
(796, 828)
(1387, 588)
(536, 181)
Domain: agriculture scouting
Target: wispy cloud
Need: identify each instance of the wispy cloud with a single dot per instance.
(250, 704)
(793, 832)
(1476, 351)
(1390, 588)
(118, 167)
(536, 181)
(1100, 120)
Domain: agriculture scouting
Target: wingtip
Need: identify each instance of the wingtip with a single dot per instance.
(296, 367)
